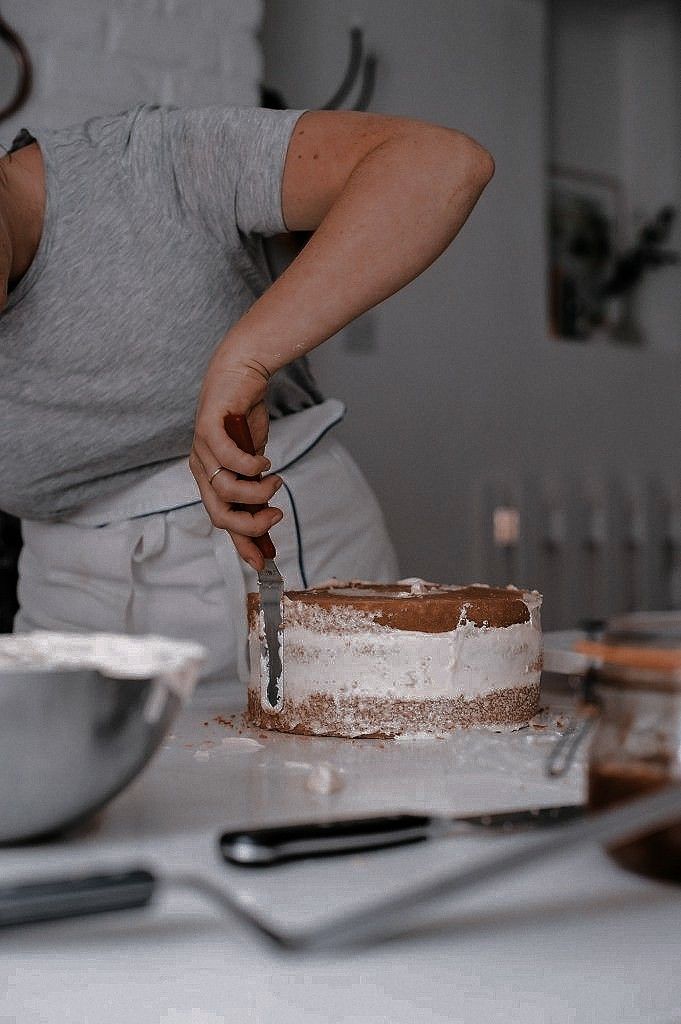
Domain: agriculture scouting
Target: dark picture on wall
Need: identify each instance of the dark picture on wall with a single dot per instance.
(585, 227)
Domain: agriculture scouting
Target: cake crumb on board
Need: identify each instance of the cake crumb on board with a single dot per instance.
(324, 779)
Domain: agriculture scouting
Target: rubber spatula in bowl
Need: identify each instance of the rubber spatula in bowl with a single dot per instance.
(270, 587)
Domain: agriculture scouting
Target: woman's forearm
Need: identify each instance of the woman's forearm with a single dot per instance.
(400, 208)
(383, 211)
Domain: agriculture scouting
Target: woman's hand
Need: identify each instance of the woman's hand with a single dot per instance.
(232, 387)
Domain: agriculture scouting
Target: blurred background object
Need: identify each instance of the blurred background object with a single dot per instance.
(15, 71)
(576, 444)
(15, 87)
(10, 546)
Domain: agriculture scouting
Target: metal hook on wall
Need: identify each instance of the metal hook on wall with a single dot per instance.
(356, 66)
(360, 68)
(20, 54)
(366, 91)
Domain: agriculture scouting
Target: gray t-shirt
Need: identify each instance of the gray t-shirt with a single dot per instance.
(152, 247)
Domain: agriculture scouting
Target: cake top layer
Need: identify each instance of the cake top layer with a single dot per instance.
(412, 605)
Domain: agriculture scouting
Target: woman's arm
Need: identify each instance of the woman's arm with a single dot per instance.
(385, 197)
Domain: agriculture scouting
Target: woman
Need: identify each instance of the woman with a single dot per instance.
(138, 309)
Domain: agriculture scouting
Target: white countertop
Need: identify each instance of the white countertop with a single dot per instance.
(574, 940)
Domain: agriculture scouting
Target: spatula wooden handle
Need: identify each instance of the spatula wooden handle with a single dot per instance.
(236, 427)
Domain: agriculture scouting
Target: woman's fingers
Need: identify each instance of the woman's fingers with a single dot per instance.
(221, 512)
(211, 460)
(245, 492)
(216, 445)
(229, 488)
(241, 525)
(217, 462)
(248, 550)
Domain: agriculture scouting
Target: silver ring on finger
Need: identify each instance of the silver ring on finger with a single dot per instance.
(215, 473)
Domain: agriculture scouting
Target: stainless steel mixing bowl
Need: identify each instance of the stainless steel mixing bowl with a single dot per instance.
(70, 740)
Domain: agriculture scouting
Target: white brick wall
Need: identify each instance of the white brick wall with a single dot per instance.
(101, 56)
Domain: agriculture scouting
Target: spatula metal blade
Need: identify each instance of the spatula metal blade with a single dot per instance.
(271, 587)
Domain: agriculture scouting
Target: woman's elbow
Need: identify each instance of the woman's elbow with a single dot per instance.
(485, 165)
(477, 163)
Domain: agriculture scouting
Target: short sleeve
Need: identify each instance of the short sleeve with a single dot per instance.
(226, 165)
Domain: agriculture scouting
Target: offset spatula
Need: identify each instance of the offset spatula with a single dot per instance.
(270, 586)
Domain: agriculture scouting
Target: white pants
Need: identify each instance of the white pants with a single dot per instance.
(172, 573)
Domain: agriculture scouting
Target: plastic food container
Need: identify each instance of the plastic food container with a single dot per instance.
(636, 745)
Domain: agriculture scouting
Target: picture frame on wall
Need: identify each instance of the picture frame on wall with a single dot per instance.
(586, 215)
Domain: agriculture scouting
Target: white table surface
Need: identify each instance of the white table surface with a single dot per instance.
(575, 939)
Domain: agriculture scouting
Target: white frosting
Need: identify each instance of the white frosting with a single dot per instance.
(358, 657)
(467, 661)
(173, 662)
(240, 743)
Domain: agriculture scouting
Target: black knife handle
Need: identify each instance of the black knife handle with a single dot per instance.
(56, 899)
(260, 847)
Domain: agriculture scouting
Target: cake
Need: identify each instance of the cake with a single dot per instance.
(368, 659)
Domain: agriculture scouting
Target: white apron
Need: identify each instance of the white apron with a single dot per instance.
(149, 560)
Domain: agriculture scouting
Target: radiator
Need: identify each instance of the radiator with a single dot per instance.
(595, 546)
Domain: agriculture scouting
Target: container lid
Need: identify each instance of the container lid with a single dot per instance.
(641, 651)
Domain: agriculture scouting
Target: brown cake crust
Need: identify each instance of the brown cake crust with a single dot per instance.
(433, 609)
(322, 714)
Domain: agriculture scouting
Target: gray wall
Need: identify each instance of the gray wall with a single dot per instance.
(101, 56)
(617, 111)
(453, 386)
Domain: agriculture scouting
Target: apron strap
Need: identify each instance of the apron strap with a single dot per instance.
(172, 485)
